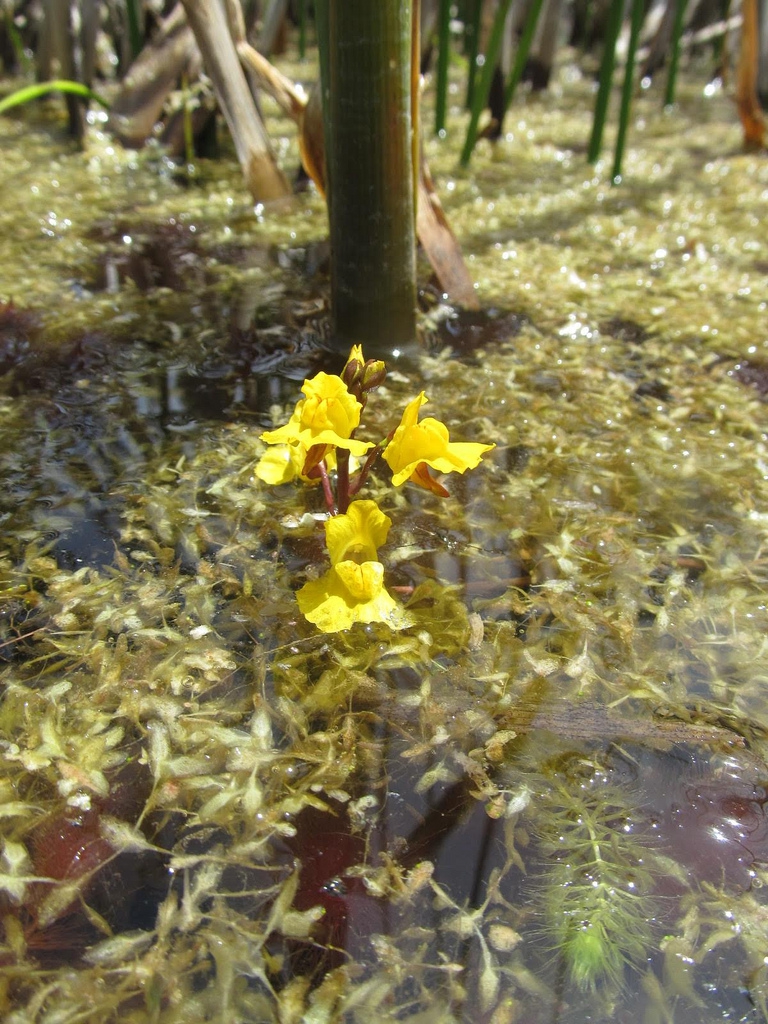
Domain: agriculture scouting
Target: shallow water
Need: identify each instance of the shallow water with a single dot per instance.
(545, 800)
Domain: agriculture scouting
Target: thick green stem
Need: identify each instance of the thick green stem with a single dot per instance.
(370, 173)
(133, 13)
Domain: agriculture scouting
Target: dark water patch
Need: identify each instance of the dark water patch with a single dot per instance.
(328, 851)
(166, 256)
(655, 389)
(19, 330)
(294, 352)
(624, 329)
(90, 540)
(753, 373)
(102, 885)
(465, 331)
(93, 416)
(179, 256)
(45, 364)
(709, 816)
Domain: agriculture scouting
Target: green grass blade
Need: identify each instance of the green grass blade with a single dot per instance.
(471, 42)
(133, 11)
(606, 79)
(25, 61)
(638, 13)
(443, 46)
(523, 50)
(483, 89)
(34, 92)
(677, 31)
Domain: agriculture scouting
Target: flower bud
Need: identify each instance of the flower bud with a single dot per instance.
(374, 374)
(352, 375)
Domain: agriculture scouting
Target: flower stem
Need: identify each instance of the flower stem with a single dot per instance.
(327, 489)
(362, 476)
(342, 479)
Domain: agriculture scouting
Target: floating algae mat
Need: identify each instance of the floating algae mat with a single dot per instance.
(542, 800)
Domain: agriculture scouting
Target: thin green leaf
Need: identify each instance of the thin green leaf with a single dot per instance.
(35, 92)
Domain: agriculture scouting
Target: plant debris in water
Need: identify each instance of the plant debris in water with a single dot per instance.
(542, 800)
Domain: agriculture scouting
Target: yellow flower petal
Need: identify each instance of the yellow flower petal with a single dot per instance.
(364, 581)
(328, 414)
(357, 534)
(282, 463)
(415, 444)
(348, 593)
(276, 466)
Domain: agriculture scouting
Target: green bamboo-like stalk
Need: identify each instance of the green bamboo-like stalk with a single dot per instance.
(677, 31)
(638, 12)
(370, 174)
(443, 46)
(323, 59)
(523, 50)
(606, 79)
(483, 89)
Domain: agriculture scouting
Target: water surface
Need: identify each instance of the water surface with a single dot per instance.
(545, 800)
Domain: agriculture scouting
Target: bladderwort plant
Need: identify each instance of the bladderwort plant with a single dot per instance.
(597, 895)
(319, 444)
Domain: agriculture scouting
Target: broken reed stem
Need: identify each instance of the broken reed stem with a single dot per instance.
(263, 177)
(750, 112)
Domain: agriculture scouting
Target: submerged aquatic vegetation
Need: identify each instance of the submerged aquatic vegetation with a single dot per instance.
(596, 889)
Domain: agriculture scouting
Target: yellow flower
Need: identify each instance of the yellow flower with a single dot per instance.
(350, 592)
(353, 588)
(357, 535)
(327, 415)
(416, 445)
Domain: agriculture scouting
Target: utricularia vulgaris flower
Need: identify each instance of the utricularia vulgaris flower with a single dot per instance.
(316, 445)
